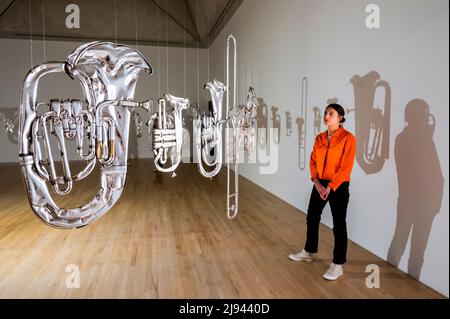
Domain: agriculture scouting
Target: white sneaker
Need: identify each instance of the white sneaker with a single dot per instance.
(334, 272)
(302, 256)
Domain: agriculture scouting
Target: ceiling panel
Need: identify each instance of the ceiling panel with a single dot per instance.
(191, 23)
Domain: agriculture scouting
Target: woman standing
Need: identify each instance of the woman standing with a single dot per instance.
(331, 165)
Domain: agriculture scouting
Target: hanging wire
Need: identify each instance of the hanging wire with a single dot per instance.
(207, 17)
(43, 29)
(167, 50)
(158, 46)
(115, 20)
(198, 58)
(31, 37)
(184, 45)
(136, 23)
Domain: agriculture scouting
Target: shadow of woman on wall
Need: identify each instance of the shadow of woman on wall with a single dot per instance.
(420, 185)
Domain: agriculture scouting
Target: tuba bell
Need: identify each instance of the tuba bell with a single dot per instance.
(99, 125)
(372, 124)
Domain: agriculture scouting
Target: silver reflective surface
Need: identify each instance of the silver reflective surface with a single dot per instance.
(99, 125)
(240, 121)
(209, 127)
(166, 132)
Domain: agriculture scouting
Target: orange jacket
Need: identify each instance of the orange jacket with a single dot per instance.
(333, 161)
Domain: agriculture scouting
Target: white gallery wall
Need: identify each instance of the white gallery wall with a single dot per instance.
(328, 42)
(177, 70)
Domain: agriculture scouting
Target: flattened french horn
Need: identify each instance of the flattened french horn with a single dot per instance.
(108, 74)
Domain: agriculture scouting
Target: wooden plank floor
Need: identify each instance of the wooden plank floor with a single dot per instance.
(170, 238)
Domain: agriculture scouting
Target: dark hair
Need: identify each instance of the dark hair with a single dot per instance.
(339, 109)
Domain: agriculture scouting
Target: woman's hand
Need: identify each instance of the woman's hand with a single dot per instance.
(323, 192)
(327, 190)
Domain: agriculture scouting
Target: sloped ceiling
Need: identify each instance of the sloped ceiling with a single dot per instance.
(190, 23)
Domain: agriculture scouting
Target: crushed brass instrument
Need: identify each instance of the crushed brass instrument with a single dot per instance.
(99, 125)
(166, 132)
(372, 124)
(209, 127)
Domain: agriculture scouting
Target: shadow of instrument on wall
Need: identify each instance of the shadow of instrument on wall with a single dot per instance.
(301, 125)
(288, 124)
(262, 115)
(276, 124)
(317, 120)
(372, 122)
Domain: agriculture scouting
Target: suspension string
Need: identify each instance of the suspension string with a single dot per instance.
(184, 45)
(158, 46)
(115, 20)
(198, 59)
(208, 46)
(31, 38)
(136, 23)
(167, 50)
(43, 28)
(243, 75)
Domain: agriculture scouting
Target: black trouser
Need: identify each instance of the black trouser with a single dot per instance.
(338, 204)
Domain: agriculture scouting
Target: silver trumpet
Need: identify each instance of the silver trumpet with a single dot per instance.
(166, 133)
(99, 125)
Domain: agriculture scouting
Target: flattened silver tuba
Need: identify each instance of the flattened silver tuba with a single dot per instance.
(100, 126)
(209, 127)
